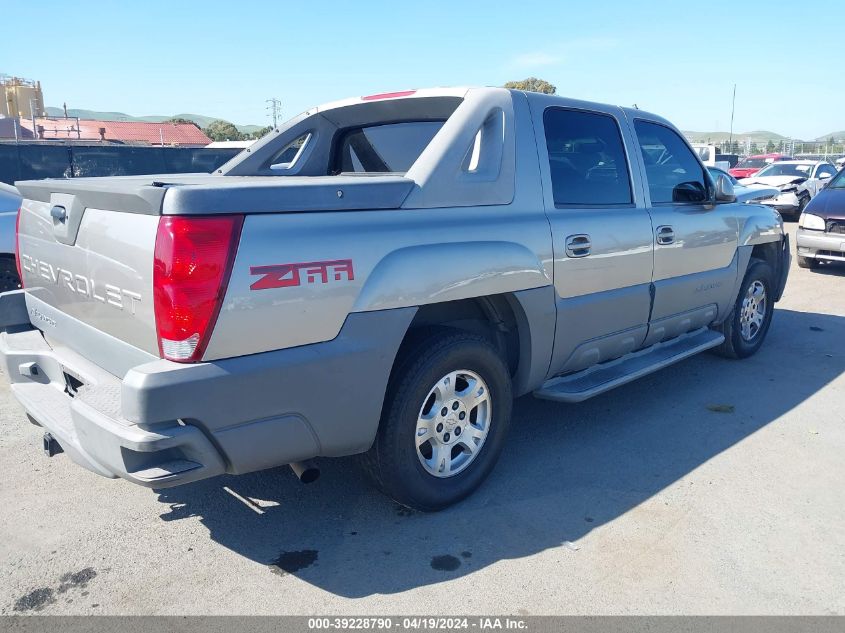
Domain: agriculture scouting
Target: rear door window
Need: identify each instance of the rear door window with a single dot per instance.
(388, 148)
(674, 174)
(586, 158)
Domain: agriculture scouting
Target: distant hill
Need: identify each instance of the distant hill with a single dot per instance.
(718, 137)
(200, 119)
(838, 136)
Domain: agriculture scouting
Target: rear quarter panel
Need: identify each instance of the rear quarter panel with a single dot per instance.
(399, 258)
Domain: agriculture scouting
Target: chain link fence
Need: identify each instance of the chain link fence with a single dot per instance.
(832, 149)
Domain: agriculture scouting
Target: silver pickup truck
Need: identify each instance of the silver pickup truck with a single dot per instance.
(380, 276)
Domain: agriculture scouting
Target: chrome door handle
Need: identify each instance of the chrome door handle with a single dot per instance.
(665, 235)
(578, 245)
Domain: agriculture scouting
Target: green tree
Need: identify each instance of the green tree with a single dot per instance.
(177, 119)
(258, 133)
(220, 130)
(532, 84)
(754, 149)
(770, 146)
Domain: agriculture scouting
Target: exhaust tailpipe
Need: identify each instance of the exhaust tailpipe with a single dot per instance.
(307, 472)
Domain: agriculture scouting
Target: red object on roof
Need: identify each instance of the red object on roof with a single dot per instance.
(388, 95)
(120, 131)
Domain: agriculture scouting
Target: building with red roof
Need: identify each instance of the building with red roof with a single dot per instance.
(128, 132)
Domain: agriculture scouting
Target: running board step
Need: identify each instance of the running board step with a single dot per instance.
(605, 376)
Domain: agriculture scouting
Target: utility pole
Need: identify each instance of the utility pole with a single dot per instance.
(275, 107)
(733, 107)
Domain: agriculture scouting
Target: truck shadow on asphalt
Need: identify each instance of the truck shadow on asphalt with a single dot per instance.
(830, 268)
(566, 470)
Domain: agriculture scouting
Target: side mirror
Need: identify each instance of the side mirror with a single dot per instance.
(724, 190)
(692, 191)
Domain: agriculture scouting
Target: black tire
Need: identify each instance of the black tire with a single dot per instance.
(808, 262)
(9, 279)
(735, 346)
(803, 201)
(393, 462)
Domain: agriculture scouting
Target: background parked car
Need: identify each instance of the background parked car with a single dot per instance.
(10, 202)
(745, 193)
(821, 228)
(797, 180)
(750, 165)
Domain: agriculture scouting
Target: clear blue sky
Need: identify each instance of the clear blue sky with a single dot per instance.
(679, 59)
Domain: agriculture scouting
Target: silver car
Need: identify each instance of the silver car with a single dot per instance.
(797, 180)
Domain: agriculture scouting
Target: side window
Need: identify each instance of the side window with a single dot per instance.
(826, 170)
(586, 158)
(673, 173)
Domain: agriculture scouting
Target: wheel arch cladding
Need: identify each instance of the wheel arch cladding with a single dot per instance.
(760, 227)
(520, 324)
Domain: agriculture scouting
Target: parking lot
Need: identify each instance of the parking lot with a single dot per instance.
(713, 486)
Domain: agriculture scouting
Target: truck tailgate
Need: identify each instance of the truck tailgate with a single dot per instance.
(87, 245)
(94, 266)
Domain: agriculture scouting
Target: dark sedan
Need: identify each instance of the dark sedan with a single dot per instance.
(821, 227)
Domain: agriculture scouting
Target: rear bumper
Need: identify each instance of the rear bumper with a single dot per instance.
(89, 426)
(165, 424)
(820, 245)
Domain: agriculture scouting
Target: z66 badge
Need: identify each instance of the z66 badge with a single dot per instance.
(290, 275)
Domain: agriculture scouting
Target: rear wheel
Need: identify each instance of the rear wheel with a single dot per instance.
(746, 327)
(444, 422)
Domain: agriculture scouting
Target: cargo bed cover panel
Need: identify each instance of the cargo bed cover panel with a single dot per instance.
(197, 194)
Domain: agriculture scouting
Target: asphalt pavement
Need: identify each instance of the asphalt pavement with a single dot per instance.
(711, 487)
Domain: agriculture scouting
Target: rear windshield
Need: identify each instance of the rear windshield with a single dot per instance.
(392, 147)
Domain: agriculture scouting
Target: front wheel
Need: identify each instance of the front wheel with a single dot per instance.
(803, 201)
(808, 262)
(747, 325)
(445, 419)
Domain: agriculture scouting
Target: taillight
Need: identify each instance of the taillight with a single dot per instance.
(193, 261)
(18, 246)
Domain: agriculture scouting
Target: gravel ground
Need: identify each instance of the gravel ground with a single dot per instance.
(714, 487)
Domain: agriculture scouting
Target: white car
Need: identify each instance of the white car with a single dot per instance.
(751, 193)
(797, 180)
